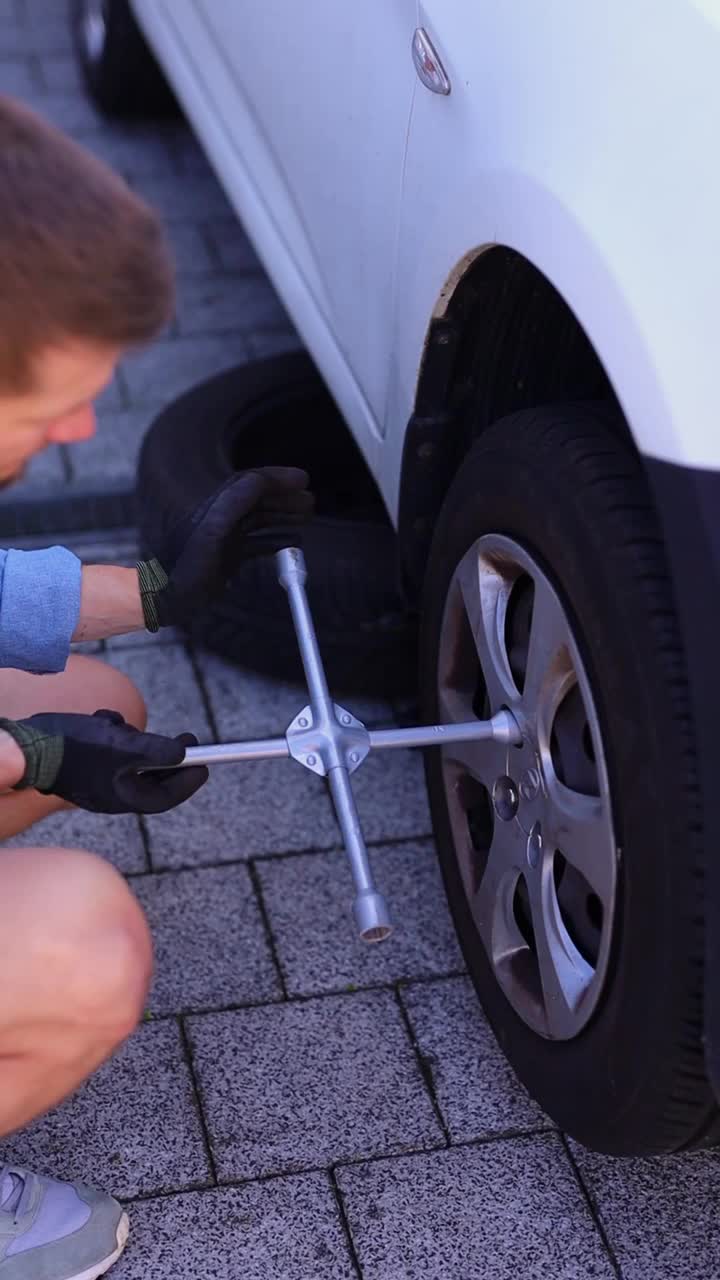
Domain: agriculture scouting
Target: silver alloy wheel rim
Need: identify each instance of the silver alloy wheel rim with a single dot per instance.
(532, 824)
(94, 28)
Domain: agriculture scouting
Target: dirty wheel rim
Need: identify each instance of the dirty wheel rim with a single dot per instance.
(532, 824)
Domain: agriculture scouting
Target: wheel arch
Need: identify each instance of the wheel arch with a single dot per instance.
(501, 339)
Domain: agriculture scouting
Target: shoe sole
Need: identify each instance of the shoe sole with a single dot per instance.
(100, 1268)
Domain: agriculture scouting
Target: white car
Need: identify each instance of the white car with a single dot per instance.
(496, 227)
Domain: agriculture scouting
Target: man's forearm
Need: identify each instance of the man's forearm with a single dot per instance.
(110, 603)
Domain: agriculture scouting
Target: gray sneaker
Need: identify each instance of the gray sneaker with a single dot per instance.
(56, 1230)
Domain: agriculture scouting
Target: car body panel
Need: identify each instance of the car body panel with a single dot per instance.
(537, 147)
(323, 213)
(581, 137)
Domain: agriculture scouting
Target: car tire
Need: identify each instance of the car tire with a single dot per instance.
(120, 71)
(278, 411)
(547, 592)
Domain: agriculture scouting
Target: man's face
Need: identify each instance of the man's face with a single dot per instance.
(58, 409)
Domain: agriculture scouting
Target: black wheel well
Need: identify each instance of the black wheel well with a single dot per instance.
(507, 341)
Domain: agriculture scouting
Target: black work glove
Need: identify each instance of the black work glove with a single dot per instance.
(95, 762)
(255, 513)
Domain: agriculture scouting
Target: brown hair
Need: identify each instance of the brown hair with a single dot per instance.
(81, 256)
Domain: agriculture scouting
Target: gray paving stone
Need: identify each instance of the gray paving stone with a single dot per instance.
(60, 72)
(135, 153)
(478, 1093)
(248, 705)
(244, 809)
(286, 1229)
(44, 31)
(9, 11)
(392, 797)
(112, 453)
(190, 248)
(264, 345)
(221, 302)
(132, 1128)
(47, 467)
(231, 244)
(180, 198)
(113, 397)
(163, 371)
(210, 943)
(44, 471)
(72, 112)
(114, 547)
(18, 77)
(29, 9)
(189, 155)
(298, 1085)
(660, 1215)
(309, 904)
(143, 639)
(502, 1211)
(116, 837)
(166, 680)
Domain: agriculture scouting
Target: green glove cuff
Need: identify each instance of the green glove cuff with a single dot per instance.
(43, 755)
(153, 580)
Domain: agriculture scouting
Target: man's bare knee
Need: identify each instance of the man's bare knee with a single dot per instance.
(85, 686)
(93, 685)
(76, 943)
(128, 700)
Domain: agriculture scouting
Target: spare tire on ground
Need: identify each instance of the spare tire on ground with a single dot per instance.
(279, 411)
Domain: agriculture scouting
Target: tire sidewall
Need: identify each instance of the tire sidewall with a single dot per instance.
(592, 1086)
(367, 635)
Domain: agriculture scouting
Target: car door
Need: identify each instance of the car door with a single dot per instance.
(330, 86)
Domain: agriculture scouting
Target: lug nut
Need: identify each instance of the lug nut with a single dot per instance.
(505, 798)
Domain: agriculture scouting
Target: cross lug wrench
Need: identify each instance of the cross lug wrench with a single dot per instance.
(328, 740)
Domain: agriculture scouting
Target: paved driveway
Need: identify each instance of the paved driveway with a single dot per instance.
(296, 1106)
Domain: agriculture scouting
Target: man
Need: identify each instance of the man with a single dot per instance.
(84, 277)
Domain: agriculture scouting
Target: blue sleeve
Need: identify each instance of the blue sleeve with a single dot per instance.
(39, 608)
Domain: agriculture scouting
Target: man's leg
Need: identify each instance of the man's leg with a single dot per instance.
(85, 686)
(76, 962)
(75, 967)
(75, 953)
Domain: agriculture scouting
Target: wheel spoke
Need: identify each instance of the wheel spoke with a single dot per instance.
(484, 594)
(580, 827)
(564, 975)
(492, 904)
(548, 660)
(485, 759)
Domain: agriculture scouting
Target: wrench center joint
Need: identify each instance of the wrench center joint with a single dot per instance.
(321, 742)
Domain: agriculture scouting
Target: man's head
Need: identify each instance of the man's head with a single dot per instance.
(85, 274)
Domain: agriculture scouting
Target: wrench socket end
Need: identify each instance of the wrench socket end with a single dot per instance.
(291, 567)
(372, 916)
